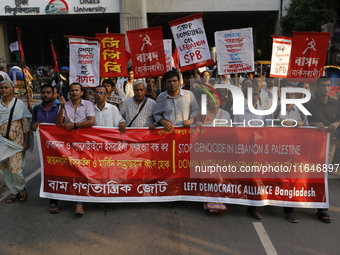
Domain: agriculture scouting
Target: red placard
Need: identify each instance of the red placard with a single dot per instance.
(308, 55)
(113, 57)
(101, 165)
(147, 52)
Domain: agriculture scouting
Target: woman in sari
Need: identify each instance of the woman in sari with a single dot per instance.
(12, 167)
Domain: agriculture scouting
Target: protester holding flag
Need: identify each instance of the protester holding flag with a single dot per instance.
(14, 126)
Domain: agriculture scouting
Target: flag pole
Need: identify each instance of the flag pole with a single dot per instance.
(22, 58)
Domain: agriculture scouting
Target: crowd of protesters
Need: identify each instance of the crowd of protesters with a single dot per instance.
(168, 101)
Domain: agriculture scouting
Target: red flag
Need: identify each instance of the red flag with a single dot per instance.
(147, 52)
(128, 55)
(21, 50)
(176, 59)
(308, 55)
(113, 57)
(55, 59)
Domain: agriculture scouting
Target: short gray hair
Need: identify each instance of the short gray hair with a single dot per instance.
(8, 82)
(139, 81)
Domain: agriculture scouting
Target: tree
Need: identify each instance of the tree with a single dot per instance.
(309, 15)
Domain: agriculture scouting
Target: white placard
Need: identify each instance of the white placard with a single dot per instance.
(84, 61)
(280, 56)
(235, 51)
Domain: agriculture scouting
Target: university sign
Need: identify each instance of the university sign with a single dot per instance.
(43, 7)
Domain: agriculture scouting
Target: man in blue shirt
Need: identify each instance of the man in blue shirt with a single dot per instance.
(46, 112)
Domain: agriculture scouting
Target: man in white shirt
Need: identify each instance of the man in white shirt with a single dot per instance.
(106, 115)
(127, 86)
(138, 110)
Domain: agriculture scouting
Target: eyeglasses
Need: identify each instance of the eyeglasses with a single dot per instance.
(100, 93)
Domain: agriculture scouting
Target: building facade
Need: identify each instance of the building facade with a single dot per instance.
(43, 20)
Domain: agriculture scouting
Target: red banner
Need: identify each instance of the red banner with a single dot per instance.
(198, 164)
(191, 42)
(308, 55)
(113, 57)
(147, 52)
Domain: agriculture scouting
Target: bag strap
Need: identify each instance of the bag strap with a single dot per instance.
(124, 86)
(35, 112)
(140, 109)
(10, 118)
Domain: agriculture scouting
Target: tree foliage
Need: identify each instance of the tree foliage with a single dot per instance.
(309, 15)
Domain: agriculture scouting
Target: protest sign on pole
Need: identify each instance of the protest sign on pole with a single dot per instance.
(280, 56)
(235, 51)
(113, 59)
(147, 52)
(84, 60)
(191, 42)
(308, 55)
(168, 53)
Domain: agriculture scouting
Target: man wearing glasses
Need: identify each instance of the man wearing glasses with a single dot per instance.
(106, 115)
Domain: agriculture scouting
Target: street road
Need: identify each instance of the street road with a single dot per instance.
(154, 228)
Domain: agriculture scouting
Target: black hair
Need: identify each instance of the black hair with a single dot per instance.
(76, 83)
(171, 73)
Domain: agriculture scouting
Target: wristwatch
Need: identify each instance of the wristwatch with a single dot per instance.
(75, 126)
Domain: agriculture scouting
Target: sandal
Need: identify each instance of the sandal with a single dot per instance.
(11, 199)
(79, 209)
(54, 208)
(323, 216)
(23, 195)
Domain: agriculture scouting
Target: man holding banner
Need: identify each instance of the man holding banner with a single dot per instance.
(175, 107)
(74, 114)
(325, 112)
